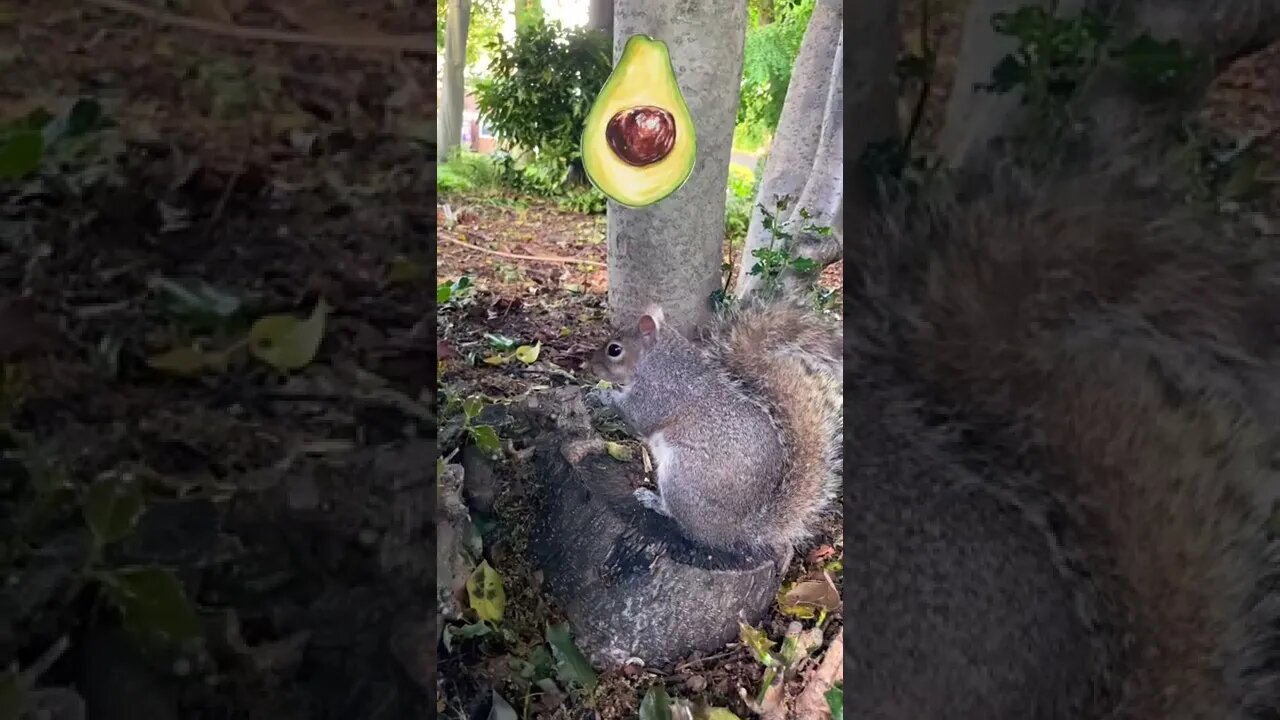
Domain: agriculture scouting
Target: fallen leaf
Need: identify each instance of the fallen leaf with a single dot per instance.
(575, 664)
(807, 597)
(528, 354)
(485, 593)
(619, 451)
(180, 361)
(286, 342)
(152, 601)
(111, 509)
(499, 359)
(656, 704)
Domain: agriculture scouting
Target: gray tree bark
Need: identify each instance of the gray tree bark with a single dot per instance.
(671, 252)
(973, 119)
(449, 110)
(806, 161)
(602, 16)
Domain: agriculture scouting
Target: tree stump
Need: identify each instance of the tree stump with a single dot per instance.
(629, 582)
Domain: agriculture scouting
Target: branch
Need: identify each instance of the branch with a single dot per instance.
(535, 258)
(405, 43)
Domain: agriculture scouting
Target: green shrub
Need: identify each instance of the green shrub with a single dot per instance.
(742, 182)
(469, 172)
(541, 86)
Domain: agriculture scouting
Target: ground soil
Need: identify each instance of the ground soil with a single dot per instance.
(291, 505)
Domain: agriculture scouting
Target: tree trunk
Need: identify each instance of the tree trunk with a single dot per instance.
(449, 119)
(973, 119)
(806, 161)
(602, 16)
(671, 252)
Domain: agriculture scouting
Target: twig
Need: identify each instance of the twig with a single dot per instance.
(406, 43)
(535, 258)
(917, 113)
(222, 200)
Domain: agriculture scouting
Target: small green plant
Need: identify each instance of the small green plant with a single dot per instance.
(454, 294)
(26, 142)
(467, 171)
(588, 201)
(777, 258)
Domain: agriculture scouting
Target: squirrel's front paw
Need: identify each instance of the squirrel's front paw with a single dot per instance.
(652, 500)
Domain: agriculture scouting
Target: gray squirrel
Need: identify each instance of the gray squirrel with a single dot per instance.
(1063, 457)
(743, 424)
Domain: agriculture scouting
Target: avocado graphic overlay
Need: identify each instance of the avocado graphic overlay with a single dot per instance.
(638, 144)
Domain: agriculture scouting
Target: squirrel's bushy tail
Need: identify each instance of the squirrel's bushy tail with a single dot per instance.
(791, 357)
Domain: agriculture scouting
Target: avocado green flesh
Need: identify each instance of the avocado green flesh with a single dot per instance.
(643, 76)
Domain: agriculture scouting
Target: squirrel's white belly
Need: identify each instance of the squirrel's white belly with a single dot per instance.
(660, 451)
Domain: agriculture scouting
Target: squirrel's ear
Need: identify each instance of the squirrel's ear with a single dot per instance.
(648, 326)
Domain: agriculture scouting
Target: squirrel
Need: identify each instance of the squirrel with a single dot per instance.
(1062, 459)
(743, 421)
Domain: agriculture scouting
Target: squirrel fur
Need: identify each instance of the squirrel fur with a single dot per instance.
(744, 422)
(1063, 455)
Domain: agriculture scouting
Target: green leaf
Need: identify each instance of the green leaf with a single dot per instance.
(804, 266)
(721, 714)
(618, 451)
(835, 701)
(528, 354)
(500, 342)
(758, 643)
(12, 696)
(152, 602)
(485, 593)
(111, 509)
(1153, 62)
(486, 439)
(443, 293)
(20, 154)
(195, 301)
(286, 342)
(656, 704)
(472, 406)
(574, 663)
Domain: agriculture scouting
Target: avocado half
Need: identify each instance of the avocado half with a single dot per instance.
(638, 144)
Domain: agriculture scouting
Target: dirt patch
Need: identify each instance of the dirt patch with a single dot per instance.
(231, 179)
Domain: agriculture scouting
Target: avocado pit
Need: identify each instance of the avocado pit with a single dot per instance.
(641, 135)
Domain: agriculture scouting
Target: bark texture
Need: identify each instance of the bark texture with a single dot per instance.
(807, 159)
(671, 252)
(449, 120)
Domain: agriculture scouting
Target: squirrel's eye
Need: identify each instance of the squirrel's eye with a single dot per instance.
(614, 350)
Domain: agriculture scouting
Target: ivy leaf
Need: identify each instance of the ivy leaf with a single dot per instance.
(1153, 62)
(472, 406)
(20, 154)
(804, 266)
(528, 354)
(286, 342)
(486, 439)
(486, 594)
(574, 663)
(656, 704)
(111, 509)
(152, 602)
